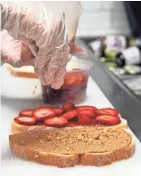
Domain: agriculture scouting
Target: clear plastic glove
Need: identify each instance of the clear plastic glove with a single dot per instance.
(18, 54)
(15, 52)
(45, 31)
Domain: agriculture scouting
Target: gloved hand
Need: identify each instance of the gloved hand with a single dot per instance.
(45, 31)
(15, 52)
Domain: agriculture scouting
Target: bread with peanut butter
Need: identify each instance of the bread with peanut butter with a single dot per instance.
(18, 128)
(24, 71)
(67, 147)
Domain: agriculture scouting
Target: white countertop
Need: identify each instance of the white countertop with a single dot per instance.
(11, 165)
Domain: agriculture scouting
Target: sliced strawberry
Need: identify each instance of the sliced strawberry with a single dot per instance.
(43, 113)
(58, 111)
(69, 78)
(89, 113)
(73, 124)
(68, 107)
(83, 119)
(64, 86)
(27, 113)
(76, 77)
(81, 78)
(25, 120)
(69, 115)
(93, 122)
(80, 108)
(56, 122)
(107, 111)
(107, 120)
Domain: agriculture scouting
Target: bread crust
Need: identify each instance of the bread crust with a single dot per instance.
(70, 160)
(21, 73)
(18, 128)
(99, 159)
(44, 158)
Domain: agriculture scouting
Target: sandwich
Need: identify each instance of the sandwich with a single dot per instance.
(66, 116)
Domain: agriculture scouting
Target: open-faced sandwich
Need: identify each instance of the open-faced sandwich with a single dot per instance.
(67, 116)
(69, 135)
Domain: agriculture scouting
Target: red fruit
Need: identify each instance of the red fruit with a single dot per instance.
(107, 120)
(83, 119)
(68, 107)
(25, 120)
(107, 111)
(82, 78)
(56, 122)
(89, 113)
(43, 113)
(64, 86)
(80, 108)
(93, 122)
(73, 124)
(58, 111)
(69, 115)
(70, 79)
(27, 113)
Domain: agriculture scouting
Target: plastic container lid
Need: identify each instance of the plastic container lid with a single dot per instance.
(71, 9)
(79, 63)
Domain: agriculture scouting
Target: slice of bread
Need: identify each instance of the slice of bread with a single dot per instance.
(25, 71)
(18, 128)
(96, 146)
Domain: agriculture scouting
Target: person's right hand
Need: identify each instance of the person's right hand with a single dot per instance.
(45, 31)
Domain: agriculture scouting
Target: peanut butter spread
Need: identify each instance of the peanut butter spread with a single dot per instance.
(73, 141)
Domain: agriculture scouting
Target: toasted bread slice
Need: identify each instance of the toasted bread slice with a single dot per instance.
(18, 128)
(95, 146)
(24, 71)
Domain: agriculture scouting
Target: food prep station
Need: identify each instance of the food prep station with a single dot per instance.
(104, 90)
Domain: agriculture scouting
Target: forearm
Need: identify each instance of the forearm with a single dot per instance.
(4, 9)
(47, 30)
(19, 22)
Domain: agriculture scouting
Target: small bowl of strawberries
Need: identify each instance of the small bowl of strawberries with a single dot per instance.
(74, 87)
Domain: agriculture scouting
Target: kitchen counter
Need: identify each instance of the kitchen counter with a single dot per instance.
(102, 92)
(128, 104)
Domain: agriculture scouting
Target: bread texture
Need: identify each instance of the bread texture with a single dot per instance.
(18, 128)
(67, 147)
(24, 71)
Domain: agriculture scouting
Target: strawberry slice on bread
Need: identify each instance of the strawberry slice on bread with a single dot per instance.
(66, 116)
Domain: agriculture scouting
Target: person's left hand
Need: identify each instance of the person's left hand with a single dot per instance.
(15, 52)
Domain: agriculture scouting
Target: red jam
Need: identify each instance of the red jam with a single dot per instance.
(73, 89)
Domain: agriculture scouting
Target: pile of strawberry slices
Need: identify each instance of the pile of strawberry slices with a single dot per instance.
(69, 115)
